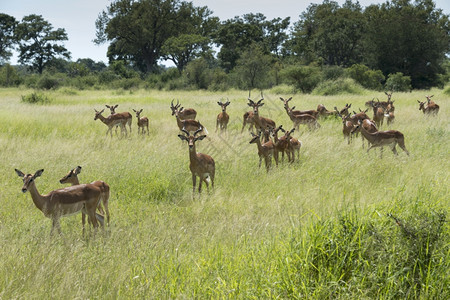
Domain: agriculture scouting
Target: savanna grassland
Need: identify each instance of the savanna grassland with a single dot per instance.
(338, 223)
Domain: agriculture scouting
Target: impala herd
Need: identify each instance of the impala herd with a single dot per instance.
(92, 197)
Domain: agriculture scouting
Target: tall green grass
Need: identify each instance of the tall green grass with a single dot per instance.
(323, 227)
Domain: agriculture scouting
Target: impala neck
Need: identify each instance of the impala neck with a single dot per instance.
(103, 119)
(369, 136)
(38, 199)
(193, 154)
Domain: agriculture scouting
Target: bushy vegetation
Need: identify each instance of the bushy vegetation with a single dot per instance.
(338, 223)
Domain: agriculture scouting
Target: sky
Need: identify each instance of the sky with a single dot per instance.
(78, 17)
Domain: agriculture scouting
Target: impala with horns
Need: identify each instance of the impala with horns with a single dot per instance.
(281, 144)
(112, 121)
(383, 138)
(223, 117)
(63, 202)
(311, 112)
(378, 113)
(189, 125)
(72, 178)
(324, 112)
(294, 145)
(184, 114)
(431, 108)
(124, 114)
(306, 119)
(369, 125)
(347, 125)
(142, 122)
(265, 150)
(261, 123)
(201, 165)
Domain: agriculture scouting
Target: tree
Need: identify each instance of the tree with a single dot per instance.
(39, 44)
(253, 67)
(408, 38)
(7, 40)
(137, 30)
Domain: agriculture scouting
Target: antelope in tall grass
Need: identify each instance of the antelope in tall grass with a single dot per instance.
(378, 114)
(72, 178)
(347, 125)
(201, 165)
(369, 125)
(311, 112)
(281, 144)
(142, 122)
(112, 121)
(306, 119)
(248, 119)
(64, 202)
(383, 138)
(294, 145)
(184, 114)
(431, 108)
(125, 114)
(223, 117)
(261, 123)
(344, 111)
(265, 150)
(189, 125)
(323, 112)
(389, 114)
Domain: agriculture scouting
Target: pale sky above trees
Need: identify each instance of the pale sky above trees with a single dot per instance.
(78, 17)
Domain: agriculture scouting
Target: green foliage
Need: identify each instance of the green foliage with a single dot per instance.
(7, 39)
(333, 72)
(47, 82)
(369, 79)
(338, 87)
(35, 98)
(304, 78)
(9, 76)
(398, 82)
(198, 74)
(252, 68)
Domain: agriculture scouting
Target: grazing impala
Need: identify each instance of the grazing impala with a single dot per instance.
(265, 150)
(112, 121)
(223, 117)
(261, 123)
(64, 202)
(311, 112)
(125, 114)
(309, 120)
(141, 121)
(384, 138)
(72, 178)
(201, 165)
(184, 114)
(431, 109)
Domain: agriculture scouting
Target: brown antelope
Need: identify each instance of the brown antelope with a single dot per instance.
(347, 125)
(261, 123)
(389, 103)
(125, 114)
(378, 114)
(141, 121)
(72, 178)
(389, 114)
(369, 125)
(189, 125)
(356, 117)
(185, 114)
(309, 120)
(248, 119)
(201, 165)
(323, 112)
(294, 145)
(384, 138)
(431, 108)
(344, 111)
(311, 112)
(63, 202)
(223, 117)
(265, 150)
(112, 121)
(281, 144)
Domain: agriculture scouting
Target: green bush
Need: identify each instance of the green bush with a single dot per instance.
(219, 80)
(338, 87)
(198, 74)
(304, 78)
(369, 79)
(35, 98)
(398, 83)
(9, 76)
(47, 82)
(333, 72)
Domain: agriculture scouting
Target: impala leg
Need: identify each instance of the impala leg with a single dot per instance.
(83, 221)
(275, 155)
(394, 149)
(200, 185)
(194, 179)
(381, 152)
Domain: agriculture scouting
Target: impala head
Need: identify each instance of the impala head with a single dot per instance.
(71, 177)
(28, 179)
(98, 113)
(223, 105)
(255, 137)
(174, 108)
(389, 95)
(112, 108)
(287, 134)
(344, 111)
(286, 102)
(429, 98)
(421, 105)
(191, 139)
(138, 112)
(255, 105)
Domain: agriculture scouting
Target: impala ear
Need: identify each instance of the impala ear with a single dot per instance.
(141, 110)
(199, 138)
(38, 173)
(77, 170)
(220, 103)
(115, 106)
(261, 104)
(19, 173)
(281, 99)
(182, 137)
(293, 108)
(134, 110)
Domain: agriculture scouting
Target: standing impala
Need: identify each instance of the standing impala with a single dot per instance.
(431, 109)
(311, 112)
(223, 117)
(201, 165)
(384, 138)
(309, 120)
(347, 125)
(112, 121)
(261, 123)
(125, 114)
(185, 114)
(72, 178)
(378, 114)
(265, 150)
(141, 121)
(63, 202)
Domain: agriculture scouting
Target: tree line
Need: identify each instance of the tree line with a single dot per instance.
(402, 40)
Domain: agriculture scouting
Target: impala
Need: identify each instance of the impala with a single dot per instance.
(72, 178)
(248, 119)
(431, 109)
(141, 121)
(261, 123)
(281, 144)
(347, 125)
(323, 112)
(112, 121)
(294, 145)
(378, 114)
(389, 114)
(223, 117)
(311, 112)
(185, 114)
(63, 202)
(384, 138)
(369, 125)
(125, 114)
(309, 120)
(189, 125)
(265, 150)
(201, 165)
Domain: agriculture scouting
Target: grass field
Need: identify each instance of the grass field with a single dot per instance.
(319, 228)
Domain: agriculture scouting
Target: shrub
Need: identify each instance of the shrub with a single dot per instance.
(333, 72)
(398, 82)
(35, 98)
(304, 78)
(369, 79)
(219, 80)
(9, 76)
(198, 74)
(47, 82)
(337, 87)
